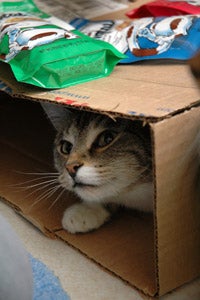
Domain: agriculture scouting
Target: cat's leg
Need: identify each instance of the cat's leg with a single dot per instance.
(84, 217)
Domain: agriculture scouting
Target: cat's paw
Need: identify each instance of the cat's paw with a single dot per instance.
(83, 217)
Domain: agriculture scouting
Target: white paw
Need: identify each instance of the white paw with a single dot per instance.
(84, 217)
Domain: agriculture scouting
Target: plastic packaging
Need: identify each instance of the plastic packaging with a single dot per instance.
(46, 55)
(176, 37)
(161, 8)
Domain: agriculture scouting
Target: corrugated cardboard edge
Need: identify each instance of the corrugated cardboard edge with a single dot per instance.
(156, 262)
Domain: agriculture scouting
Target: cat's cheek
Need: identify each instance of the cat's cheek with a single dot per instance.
(66, 181)
(83, 217)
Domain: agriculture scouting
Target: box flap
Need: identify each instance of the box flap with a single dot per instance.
(170, 89)
(177, 206)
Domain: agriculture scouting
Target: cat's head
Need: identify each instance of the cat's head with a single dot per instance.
(99, 157)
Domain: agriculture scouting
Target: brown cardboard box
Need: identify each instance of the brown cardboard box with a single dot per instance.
(154, 253)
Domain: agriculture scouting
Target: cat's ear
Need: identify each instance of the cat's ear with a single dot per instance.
(57, 114)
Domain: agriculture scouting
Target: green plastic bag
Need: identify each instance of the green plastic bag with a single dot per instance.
(47, 55)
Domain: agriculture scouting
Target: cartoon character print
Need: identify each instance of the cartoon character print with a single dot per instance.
(24, 34)
(113, 32)
(162, 33)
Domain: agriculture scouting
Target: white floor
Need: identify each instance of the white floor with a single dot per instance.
(80, 277)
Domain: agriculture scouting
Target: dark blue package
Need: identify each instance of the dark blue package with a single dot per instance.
(176, 37)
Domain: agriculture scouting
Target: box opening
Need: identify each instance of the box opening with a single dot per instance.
(124, 246)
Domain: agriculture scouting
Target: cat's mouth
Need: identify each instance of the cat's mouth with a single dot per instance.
(79, 184)
(83, 185)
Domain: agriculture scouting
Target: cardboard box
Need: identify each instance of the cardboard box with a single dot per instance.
(154, 253)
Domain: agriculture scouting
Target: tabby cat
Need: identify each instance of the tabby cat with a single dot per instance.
(103, 161)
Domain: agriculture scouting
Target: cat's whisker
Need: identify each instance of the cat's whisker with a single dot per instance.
(57, 198)
(46, 195)
(37, 173)
(41, 188)
(22, 184)
(43, 184)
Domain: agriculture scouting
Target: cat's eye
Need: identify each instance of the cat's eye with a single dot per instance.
(104, 139)
(65, 147)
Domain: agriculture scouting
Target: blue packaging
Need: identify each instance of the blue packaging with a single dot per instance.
(176, 37)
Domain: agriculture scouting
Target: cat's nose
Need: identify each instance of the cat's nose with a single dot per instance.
(73, 168)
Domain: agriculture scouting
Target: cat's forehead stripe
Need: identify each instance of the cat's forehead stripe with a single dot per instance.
(90, 121)
(85, 120)
(85, 133)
